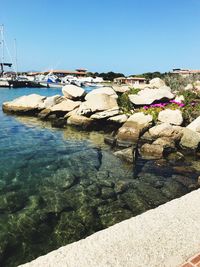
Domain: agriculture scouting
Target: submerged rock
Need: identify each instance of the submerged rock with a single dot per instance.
(176, 157)
(126, 154)
(12, 202)
(151, 151)
(43, 115)
(113, 213)
(58, 122)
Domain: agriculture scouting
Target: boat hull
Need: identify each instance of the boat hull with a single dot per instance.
(19, 84)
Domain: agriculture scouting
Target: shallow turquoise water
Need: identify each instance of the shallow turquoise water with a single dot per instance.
(60, 185)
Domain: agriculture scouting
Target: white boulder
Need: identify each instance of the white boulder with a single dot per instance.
(72, 91)
(195, 125)
(32, 101)
(166, 130)
(180, 98)
(79, 121)
(104, 90)
(50, 101)
(96, 103)
(105, 114)
(24, 103)
(119, 118)
(65, 106)
(190, 139)
(171, 116)
(156, 83)
(147, 96)
(141, 118)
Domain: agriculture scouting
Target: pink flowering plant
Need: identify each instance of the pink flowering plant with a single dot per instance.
(154, 109)
(190, 107)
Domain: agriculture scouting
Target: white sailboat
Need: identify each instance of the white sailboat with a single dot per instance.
(3, 78)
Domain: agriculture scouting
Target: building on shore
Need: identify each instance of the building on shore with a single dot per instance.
(130, 80)
(61, 73)
(185, 72)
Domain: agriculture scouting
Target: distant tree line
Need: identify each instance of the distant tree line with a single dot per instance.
(107, 76)
(110, 76)
(150, 75)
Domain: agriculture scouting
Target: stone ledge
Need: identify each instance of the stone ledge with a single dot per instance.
(162, 237)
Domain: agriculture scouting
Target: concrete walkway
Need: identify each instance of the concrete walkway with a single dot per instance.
(163, 237)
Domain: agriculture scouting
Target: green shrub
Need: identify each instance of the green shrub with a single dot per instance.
(133, 91)
(152, 111)
(124, 103)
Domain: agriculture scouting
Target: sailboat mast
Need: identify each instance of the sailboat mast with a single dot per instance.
(15, 49)
(2, 46)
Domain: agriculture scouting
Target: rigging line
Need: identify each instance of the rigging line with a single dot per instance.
(2, 42)
(9, 54)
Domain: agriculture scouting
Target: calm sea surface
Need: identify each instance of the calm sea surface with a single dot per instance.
(60, 185)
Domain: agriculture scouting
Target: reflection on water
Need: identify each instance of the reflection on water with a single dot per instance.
(70, 133)
(60, 185)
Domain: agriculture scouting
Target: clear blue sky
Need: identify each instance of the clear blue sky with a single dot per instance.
(129, 36)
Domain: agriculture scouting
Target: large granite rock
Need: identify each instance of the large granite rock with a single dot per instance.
(50, 101)
(166, 130)
(171, 116)
(195, 125)
(141, 119)
(80, 121)
(104, 90)
(128, 134)
(131, 130)
(96, 103)
(190, 139)
(24, 104)
(65, 106)
(73, 92)
(156, 83)
(105, 114)
(147, 96)
(119, 118)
